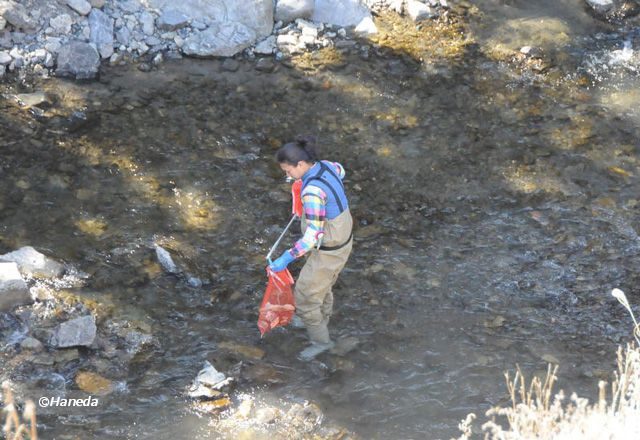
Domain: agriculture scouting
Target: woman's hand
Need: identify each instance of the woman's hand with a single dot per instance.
(282, 262)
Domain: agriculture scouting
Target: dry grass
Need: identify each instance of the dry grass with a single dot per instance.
(535, 413)
(14, 428)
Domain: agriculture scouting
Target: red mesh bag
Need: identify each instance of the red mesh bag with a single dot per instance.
(278, 303)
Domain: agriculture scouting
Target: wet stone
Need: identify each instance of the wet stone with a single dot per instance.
(31, 344)
(93, 383)
(230, 65)
(265, 65)
(76, 332)
(243, 351)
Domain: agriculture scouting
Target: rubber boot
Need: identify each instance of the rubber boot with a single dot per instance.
(320, 342)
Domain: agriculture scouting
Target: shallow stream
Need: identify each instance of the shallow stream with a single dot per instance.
(495, 197)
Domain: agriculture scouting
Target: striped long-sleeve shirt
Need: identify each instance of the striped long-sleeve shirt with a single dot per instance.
(314, 201)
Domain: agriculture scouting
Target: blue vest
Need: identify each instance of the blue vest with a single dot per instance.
(323, 176)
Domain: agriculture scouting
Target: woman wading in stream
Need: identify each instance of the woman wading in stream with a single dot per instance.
(327, 238)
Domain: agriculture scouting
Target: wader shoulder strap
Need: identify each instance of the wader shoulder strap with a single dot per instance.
(319, 177)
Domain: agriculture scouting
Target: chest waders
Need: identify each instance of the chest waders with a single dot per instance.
(313, 290)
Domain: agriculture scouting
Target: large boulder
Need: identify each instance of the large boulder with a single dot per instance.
(33, 263)
(79, 60)
(256, 15)
(13, 290)
(289, 10)
(76, 332)
(340, 12)
(220, 40)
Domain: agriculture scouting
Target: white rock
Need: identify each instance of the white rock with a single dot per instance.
(49, 60)
(340, 12)
(308, 40)
(224, 39)
(3, 23)
(5, 58)
(287, 40)
(211, 377)
(33, 263)
(13, 289)
(61, 24)
(256, 15)
(165, 260)
(366, 27)
(417, 10)
(289, 10)
(82, 7)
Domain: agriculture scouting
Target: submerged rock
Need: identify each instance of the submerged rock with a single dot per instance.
(93, 383)
(76, 332)
(165, 260)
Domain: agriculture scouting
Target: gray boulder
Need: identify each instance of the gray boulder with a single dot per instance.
(79, 60)
(101, 32)
(33, 263)
(76, 332)
(220, 40)
(340, 12)
(172, 19)
(288, 10)
(13, 290)
(17, 15)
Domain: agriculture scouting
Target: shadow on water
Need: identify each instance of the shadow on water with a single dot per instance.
(495, 207)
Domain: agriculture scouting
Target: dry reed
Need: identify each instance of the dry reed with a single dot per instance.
(536, 414)
(13, 428)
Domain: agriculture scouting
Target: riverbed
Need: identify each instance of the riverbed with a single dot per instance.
(494, 192)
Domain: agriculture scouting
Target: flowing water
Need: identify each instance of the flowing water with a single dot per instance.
(494, 194)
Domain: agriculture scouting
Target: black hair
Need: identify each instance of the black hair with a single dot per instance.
(303, 148)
